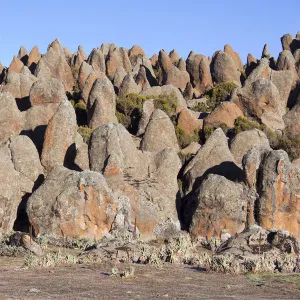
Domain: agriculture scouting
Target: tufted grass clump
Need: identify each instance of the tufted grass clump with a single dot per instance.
(201, 107)
(85, 132)
(218, 94)
(184, 139)
(208, 130)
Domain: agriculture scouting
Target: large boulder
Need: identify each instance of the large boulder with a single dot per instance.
(101, 103)
(97, 60)
(147, 110)
(129, 86)
(279, 201)
(19, 85)
(223, 69)
(220, 204)
(234, 56)
(84, 72)
(33, 58)
(292, 121)
(54, 64)
(245, 140)
(159, 133)
(213, 157)
(11, 119)
(149, 180)
(72, 204)
(21, 169)
(197, 65)
(188, 120)
(225, 113)
(177, 78)
(59, 147)
(16, 65)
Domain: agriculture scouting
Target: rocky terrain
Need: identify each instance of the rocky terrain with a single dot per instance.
(115, 143)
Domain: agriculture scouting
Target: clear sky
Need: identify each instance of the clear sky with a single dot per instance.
(201, 26)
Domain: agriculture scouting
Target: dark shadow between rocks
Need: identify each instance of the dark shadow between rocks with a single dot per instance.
(228, 169)
(23, 103)
(37, 136)
(70, 158)
(22, 221)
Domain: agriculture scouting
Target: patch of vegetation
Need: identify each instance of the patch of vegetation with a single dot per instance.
(201, 107)
(130, 108)
(243, 124)
(85, 132)
(185, 158)
(184, 139)
(219, 93)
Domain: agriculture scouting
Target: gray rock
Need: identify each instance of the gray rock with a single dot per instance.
(245, 140)
(59, 139)
(97, 60)
(213, 157)
(148, 108)
(159, 133)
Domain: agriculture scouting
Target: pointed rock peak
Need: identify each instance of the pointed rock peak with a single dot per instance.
(22, 52)
(136, 50)
(82, 52)
(265, 52)
(181, 64)
(174, 56)
(35, 50)
(154, 59)
(251, 59)
(298, 35)
(16, 65)
(55, 45)
(192, 53)
(227, 48)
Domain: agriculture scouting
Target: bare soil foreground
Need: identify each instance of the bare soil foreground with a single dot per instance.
(148, 282)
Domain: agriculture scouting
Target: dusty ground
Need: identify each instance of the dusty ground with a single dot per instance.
(166, 282)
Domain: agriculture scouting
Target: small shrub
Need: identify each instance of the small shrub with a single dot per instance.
(167, 103)
(243, 124)
(219, 93)
(201, 107)
(208, 130)
(85, 132)
(184, 139)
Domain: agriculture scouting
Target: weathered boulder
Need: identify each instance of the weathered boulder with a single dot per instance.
(292, 121)
(101, 103)
(148, 108)
(23, 54)
(118, 78)
(21, 168)
(189, 122)
(224, 113)
(245, 140)
(159, 133)
(177, 78)
(10, 117)
(75, 63)
(141, 78)
(59, 147)
(33, 58)
(82, 153)
(174, 57)
(149, 180)
(97, 60)
(234, 56)
(84, 72)
(197, 65)
(19, 84)
(54, 64)
(85, 93)
(213, 157)
(219, 204)
(129, 86)
(135, 51)
(251, 64)
(82, 52)
(223, 69)
(16, 65)
(260, 97)
(47, 90)
(279, 200)
(72, 204)
(192, 148)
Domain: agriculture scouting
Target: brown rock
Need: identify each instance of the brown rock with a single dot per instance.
(165, 61)
(135, 51)
(82, 52)
(22, 53)
(82, 153)
(189, 122)
(60, 137)
(89, 84)
(101, 103)
(10, 117)
(16, 65)
(97, 60)
(148, 109)
(286, 41)
(45, 91)
(141, 78)
(223, 69)
(129, 86)
(72, 204)
(177, 78)
(224, 113)
(251, 64)
(84, 72)
(33, 58)
(234, 56)
(220, 204)
(154, 59)
(174, 57)
(54, 64)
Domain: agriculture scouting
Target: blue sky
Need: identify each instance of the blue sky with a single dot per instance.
(201, 26)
